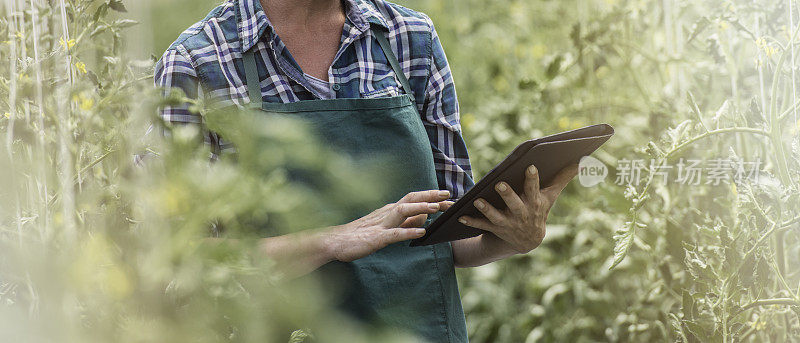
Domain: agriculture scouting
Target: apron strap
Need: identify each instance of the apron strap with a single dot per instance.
(251, 74)
(398, 71)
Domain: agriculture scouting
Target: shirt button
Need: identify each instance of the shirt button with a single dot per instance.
(336, 87)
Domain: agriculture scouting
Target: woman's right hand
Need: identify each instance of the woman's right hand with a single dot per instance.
(392, 223)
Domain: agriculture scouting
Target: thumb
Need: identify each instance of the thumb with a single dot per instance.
(561, 181)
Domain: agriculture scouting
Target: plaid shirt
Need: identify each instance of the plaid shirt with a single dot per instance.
(205, 61)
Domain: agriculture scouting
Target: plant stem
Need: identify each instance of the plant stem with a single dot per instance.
(82, 171)
(12, 104)
(760, 68)
(791, 47)
(775, 125)
(789, 110)
(773, 301)
(716, 132)
(696, 110)
(42, 149)
(64, 154)
(780, 255)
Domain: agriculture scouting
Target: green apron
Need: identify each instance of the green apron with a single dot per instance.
(399, 287)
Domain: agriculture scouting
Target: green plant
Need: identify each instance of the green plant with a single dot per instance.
(716, 80)
(97, 248)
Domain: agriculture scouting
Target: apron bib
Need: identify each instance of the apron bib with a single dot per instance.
(399, 287)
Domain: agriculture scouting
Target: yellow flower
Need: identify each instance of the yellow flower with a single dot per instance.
(87, 104)
(770, 50)
(601, 72)
(84, 102)
(729, 6)
(7, 115)
(467, 120)
(723, 25)
(66, 44)
(81, 67)
(500, 84)
(563, 123)
(539, 50)
(117, 282)
(98, 269)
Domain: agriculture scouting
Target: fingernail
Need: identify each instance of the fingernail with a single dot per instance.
(444, 194)
(462, 220)
(433, 206)
(502, 186)
(479, 204)
(419, 231)
(532, 170)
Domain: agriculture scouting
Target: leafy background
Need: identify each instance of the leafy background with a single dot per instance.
(96, 248)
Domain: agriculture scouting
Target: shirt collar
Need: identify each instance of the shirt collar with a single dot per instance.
(253, 23)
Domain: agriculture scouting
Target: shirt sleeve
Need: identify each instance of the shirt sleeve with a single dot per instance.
(175, 71)
(443, 125)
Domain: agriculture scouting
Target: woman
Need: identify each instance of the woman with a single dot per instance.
(372, 77)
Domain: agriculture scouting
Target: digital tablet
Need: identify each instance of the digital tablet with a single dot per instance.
(549, 154)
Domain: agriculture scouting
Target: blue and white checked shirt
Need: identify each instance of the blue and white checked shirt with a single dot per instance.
(205, 61)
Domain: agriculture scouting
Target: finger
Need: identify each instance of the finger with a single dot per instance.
(390, 236)
(561, 181)
(415, 221)
(419, 220)
(426, 196)
(513, 201)
(402, 211)
(445, 205)
(531, 182)
(490, 212)
(479, 223)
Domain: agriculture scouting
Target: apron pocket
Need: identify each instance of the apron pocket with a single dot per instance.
(387, 92)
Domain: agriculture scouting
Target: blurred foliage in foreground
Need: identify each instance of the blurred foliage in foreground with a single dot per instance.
(95, 248)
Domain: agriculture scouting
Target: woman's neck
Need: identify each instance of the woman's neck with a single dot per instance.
(310, 29)
(302, 14)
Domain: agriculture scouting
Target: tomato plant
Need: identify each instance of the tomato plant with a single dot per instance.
(96, 247)
(702, 80)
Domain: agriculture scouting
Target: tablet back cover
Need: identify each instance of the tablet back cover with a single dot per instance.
(549, 155)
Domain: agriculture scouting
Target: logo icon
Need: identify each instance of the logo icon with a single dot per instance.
(591, 171)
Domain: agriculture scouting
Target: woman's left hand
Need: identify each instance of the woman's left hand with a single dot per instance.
(522, 224)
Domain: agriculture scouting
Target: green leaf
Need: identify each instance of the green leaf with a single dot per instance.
(123, 23)
(697, 330)
(117, 5)
(98, 30)
(299, 336)
(555, 67)
(699, 268)
(677, 133)
(698, 27)
(92, 76)
(623, 240)
(100, 12)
